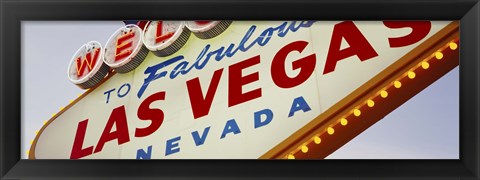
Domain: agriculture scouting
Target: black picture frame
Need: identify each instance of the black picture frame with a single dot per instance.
(12, 12)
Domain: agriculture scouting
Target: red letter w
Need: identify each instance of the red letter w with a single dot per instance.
(88, 61)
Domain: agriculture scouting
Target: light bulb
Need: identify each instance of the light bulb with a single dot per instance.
(370, 103)
(330, 130)
(397, 84)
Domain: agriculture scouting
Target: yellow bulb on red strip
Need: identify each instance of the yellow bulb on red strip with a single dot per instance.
(425, 65)
(397, 84)
(317, 140)
(370, 103)
(438, 55)
(304, 149)
(330, 130)
(453, 45)
(411, 74)
(383, 94)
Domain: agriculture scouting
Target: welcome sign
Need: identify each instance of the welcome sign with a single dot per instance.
(232, 90)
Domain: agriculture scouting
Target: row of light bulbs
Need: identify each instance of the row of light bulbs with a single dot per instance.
(370, 103)
(45, 122)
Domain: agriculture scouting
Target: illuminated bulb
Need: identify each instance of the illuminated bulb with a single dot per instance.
(370, 103)
(71, 101)
(438, 55)
(54, 114)
(290, 156)
(79, 95)
(36, 132)
(397, 84)
(411, 74)
(45, 122)
(357, 112)
(61, 108)
(330, 130)
(425, 65)
(384, 94)
(28, 152)
(344, 122)
(31, 142)
(317, 140)
(304, 149)
(453, 45)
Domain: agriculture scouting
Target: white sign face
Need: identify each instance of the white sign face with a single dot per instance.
(234, 97)
(86, 66)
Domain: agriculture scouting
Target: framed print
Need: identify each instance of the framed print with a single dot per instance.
(307, 89)
(215, 96)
